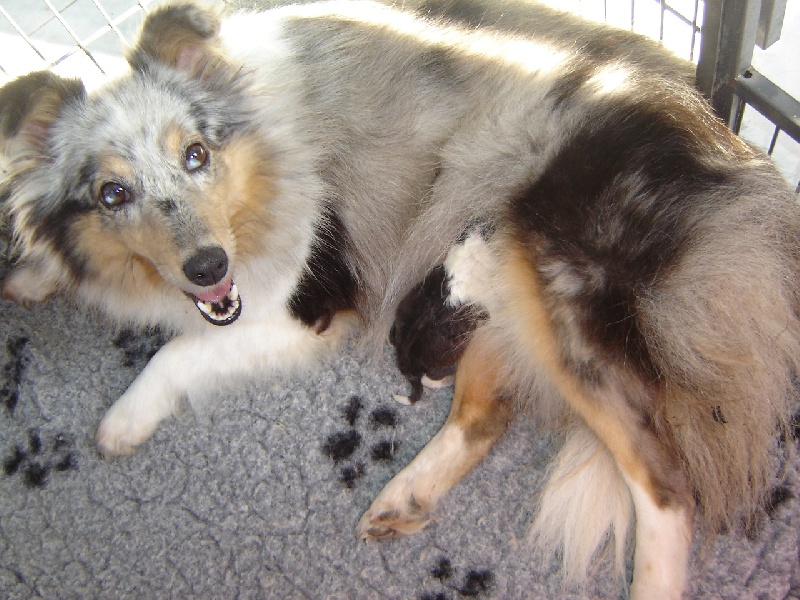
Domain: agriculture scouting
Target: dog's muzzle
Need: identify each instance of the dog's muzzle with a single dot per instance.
(220, 304)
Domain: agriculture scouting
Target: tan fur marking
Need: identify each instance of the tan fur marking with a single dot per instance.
(243, 194)
(541, 341)
(112, 168)
(478, 408)
(478, 418)
(174, 140)
(109, 256)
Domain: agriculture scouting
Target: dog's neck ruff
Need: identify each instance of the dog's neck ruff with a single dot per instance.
(223, 311)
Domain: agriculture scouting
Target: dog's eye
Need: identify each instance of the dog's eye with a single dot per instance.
(196, 157)
(114, 195)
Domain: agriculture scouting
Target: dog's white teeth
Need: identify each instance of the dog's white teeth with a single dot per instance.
(223, 312)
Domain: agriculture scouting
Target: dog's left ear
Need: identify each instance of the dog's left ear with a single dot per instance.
(29, 106)
(182, 35)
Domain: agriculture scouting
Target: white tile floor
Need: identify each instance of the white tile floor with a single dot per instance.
(54, 42)
(104, 37)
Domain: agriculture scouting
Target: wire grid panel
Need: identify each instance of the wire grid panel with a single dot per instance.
(675, 23)
(779, 63)
(73, 38)
(87, 39)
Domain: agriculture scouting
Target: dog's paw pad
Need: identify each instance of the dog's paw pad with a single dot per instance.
(389, 525)
(385, 520)
(117, 436)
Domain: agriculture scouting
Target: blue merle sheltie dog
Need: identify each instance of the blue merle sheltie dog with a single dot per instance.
(265, 185)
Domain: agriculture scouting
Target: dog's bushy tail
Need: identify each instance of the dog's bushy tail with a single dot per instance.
(722, 328)
(724, 332)
(584, 507)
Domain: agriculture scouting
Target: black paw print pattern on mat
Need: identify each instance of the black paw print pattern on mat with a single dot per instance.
(342, 445)
(475, 583)
(138, 348)
(13, 368)
(38, 457)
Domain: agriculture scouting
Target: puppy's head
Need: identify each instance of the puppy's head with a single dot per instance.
(145, 192)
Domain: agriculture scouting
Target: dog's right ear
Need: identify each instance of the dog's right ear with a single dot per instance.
(182, 35)
(29, 105)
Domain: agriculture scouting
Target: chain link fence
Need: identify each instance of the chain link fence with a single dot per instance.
(87, 38)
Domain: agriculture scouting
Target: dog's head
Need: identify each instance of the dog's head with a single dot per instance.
(152, 187)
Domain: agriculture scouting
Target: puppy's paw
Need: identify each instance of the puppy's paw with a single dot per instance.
(394, 513)
(435, 384)
(404, 400)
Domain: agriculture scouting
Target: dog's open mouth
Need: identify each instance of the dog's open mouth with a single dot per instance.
(221, 305)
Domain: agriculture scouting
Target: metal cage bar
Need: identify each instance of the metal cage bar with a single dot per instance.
(731, 30)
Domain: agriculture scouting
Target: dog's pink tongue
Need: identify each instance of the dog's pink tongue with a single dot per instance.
(217, 293)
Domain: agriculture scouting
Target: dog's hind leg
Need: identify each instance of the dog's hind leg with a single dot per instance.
(617, 405)
(479, 416)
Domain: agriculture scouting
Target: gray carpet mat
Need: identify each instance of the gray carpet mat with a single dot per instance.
(257, 495)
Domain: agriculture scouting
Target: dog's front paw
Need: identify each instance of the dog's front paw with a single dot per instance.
(127, 425)
(118, 435)
(394, 513)
(387, 523)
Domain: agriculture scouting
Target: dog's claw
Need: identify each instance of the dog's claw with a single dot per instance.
(389, 524)
(378, 533)
(111, 446)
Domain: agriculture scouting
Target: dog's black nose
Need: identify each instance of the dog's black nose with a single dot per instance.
(207, 267)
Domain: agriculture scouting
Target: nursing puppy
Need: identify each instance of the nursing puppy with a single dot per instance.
(259, 182)
(434, 323)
